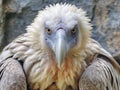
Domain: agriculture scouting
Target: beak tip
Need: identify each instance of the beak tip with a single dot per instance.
(59, 66)
(59, 63)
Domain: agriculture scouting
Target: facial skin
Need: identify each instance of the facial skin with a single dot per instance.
(61, 39)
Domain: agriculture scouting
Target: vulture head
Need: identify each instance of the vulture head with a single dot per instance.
(61, 29)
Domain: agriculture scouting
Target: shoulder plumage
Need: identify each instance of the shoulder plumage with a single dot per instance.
(93, 48)
(16, 48)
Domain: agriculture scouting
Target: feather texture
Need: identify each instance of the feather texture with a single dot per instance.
(100, 75)
(12, 76)
(40, 67)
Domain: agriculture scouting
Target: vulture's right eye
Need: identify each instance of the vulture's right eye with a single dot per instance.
(48, 31)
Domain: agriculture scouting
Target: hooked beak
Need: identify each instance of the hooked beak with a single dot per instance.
(60, 48)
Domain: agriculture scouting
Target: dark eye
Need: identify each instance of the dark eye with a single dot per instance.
(48, 31)
(73, 30)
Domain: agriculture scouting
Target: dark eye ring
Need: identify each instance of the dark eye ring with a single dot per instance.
(48, 31)
(73, 30)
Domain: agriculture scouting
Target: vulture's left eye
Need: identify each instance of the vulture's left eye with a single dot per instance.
(73, 30)
(48, 31)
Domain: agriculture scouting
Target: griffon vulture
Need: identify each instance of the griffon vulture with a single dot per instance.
(58, 53)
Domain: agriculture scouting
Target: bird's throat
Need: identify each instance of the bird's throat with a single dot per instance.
(67, 75)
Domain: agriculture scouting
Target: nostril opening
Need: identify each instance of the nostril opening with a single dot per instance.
(59, 28)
